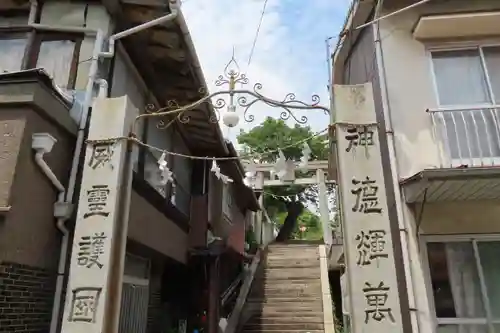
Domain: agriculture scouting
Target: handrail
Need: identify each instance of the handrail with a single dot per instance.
(234, 318)
(474, 107)
(232, 287)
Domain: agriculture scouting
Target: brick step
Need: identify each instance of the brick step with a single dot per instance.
(283, 327)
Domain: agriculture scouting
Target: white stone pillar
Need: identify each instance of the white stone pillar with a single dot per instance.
(259, 186)
(375, 304)
(323, 207)
(95, 279)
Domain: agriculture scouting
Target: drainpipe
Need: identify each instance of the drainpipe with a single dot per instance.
(43, 143)
(65, 197)
(402, 222)
(33, 11)
(174, 12)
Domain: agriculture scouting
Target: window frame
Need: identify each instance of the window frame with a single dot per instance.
(34, 40)
(479, 46)
(430, 49)
(227, 202)
(473, 239)
(16, 32)
(40, 37)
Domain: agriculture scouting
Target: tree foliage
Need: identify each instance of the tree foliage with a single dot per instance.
(309, 220)
(275, 134)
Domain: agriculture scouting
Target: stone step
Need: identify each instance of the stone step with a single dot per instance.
(283, 327)
(286, 300)
(311, 274)
(293, 257)
(281, 331)
(289, 292)
(271, 310)
(292, 263)
(289, 319)
(262, 280)
(271, 295)
(278, 312)
(292, 250)
(287, 252)
(288, 285)
(296, 245)
(291, 270)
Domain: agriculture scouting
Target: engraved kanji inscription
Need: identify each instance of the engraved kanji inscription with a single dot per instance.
(359, 136)
(90, 249)
(84, 304)
(371, 246)
(376, 298)
(97, 200)
(102, 154)
(367, 200)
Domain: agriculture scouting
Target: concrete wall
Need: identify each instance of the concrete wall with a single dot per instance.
(410, 83)
(29, 239)
(411, 92)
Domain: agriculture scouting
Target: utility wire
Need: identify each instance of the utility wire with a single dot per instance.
(257, 33)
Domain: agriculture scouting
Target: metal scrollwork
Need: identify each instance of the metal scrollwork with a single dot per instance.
(237, 97)
(288, 104)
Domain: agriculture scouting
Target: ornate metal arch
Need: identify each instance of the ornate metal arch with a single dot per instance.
(243, 98)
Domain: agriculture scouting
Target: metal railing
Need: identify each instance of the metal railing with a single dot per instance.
(234, 318)
(468, 136)
(228, 297)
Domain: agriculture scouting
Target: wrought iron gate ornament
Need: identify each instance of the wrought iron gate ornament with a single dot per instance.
(242, 98)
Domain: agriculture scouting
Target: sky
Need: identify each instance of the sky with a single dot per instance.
(290, 55)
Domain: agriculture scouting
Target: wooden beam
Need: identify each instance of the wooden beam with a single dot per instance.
(312, 165)
(299, 181)
(146, 3)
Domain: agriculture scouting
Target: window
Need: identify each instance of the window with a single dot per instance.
(12, 50)
(464, 277)
(468, 86)
(57, 53)
(227, 200)
(182, 169)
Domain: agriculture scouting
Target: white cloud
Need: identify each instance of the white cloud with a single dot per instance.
(290, 54)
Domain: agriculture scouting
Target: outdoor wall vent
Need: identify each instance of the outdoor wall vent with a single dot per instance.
(43, 142)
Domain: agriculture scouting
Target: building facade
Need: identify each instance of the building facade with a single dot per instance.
(435, 71)
(52, 69)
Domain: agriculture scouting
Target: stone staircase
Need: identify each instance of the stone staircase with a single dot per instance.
(286, 294)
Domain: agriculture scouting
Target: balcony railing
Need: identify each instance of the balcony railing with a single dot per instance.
(467, 136)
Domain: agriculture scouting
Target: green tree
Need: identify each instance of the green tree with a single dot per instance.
(272, 135)
(308, 219)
